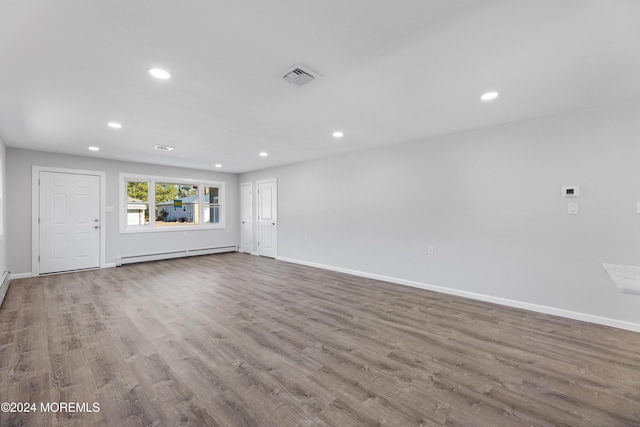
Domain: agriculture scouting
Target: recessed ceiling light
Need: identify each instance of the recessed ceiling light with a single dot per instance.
(94, 148)
(264, 154)
(489, 96)
(160, 74)
(163, 147)
(218, 165)
(338, 134)
(114, 125)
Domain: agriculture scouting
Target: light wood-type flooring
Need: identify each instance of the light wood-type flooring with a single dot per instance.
(234, 340)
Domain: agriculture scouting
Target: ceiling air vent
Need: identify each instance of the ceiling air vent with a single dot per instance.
(163, 147)
(298, 75)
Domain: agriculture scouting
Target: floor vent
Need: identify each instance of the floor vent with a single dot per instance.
(4, 286)
(298, 75)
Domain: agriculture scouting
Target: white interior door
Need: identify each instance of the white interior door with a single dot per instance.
(246, 217)
(267, 218)
(69, 222)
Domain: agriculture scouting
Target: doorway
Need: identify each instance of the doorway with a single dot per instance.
(267, 217)
(246, 217)
(68, 225)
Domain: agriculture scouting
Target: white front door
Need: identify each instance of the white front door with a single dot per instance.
(267, 218)
(69, 218)
(246, 207)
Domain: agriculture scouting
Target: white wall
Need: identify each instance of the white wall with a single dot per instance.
(3, 208)
(489, 202)
(19, 166)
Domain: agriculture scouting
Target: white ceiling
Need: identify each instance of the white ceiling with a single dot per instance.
(392, 71)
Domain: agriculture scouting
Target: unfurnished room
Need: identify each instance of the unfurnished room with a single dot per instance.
(331, 213)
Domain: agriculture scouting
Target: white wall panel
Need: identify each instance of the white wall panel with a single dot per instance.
(489, 203)
(3, 208)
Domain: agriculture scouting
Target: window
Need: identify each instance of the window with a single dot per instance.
(177, 204)
(167, 204)
(212, 205)
(137, 203)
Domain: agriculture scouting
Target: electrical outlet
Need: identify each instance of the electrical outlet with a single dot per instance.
(306, 237)
(430, 249)
(573, 209)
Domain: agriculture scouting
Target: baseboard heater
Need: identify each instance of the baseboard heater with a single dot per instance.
(173, 254)
(4, 287)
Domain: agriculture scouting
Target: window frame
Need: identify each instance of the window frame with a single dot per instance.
(152, 180)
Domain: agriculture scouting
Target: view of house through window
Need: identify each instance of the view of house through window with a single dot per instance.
(137, 203)
(177, 204)
(153, 204)
(211, 205)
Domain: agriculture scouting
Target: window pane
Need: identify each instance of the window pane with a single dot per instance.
(176, 204)
(137, 203)
(212, 205)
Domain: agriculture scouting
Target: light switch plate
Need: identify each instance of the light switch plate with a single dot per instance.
(109, 209)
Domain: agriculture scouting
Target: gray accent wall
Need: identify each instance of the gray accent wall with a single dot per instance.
(489, 202)
(19, 167)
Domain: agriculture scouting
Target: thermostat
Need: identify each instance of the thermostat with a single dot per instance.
(570, 191)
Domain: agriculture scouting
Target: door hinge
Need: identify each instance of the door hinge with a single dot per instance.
(38, 181)
(38, 220)
(38, 258)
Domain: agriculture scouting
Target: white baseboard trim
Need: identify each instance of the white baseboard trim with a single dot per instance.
(21, 275)
(620, 324)
(27, 275)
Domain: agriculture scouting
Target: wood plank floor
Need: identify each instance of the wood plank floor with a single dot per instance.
(235, 340)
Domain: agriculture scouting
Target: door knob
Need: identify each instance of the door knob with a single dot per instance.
(273, 223)
(96, 227)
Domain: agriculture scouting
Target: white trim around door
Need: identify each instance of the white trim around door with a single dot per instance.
(35, 208)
